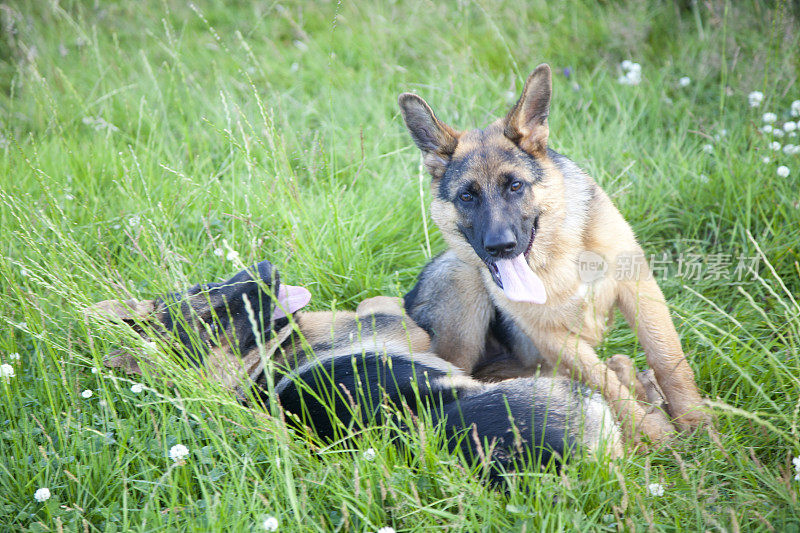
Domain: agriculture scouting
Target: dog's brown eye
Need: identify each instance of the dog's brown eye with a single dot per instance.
(465, 197)
(517, 185)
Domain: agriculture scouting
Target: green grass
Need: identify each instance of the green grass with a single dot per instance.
(138, 137)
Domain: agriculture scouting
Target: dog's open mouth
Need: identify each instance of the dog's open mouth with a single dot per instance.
(515, 277)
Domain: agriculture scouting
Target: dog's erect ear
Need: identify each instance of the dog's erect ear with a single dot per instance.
(124, 310)
(526, 123)
(436, 140)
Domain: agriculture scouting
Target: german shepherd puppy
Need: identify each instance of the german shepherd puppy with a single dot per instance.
(338, 372)
(534, 245)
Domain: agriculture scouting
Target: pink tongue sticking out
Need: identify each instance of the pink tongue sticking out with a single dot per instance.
(290, 299)
(520, 283)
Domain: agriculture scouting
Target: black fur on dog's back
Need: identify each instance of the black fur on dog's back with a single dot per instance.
(342, 372)
(512, 423)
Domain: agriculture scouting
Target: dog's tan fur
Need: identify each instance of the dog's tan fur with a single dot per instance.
(334, 332)
(379, 326)
(572, 322)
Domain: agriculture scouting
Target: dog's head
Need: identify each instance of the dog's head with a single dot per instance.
(490, 187)
(216, 326)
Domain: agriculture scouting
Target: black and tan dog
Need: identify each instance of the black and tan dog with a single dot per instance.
(538, 258)
(341, 372)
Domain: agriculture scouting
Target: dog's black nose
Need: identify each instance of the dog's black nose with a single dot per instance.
(499, 242)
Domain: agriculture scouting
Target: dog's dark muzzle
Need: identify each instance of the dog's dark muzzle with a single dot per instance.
(491, 262)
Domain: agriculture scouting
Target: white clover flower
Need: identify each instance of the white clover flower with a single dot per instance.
(769, 118)
(789, 126)
(795, 108)
(789, 149)
(634, 77)
(14, 356)
(87, 393)
(386, 529)
(707, 148)
(6, 371)
(685, 81)
(632, 73)
(134, 221)
(765, 159)
(766, 128)
(270, 524)
(783, 171)
(42, 494)
(777, 132)
(178, 452)
(631, 78)
(23, 272)
(755, 98)
(136, 388)
(775, 145)
(369, 454)
(94, 371)
(232, 255)
(295, 67)
(219, 252)
(655, 489)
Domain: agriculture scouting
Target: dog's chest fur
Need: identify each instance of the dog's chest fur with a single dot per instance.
(573, 303)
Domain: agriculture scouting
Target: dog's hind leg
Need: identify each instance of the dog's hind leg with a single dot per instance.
(380, 304)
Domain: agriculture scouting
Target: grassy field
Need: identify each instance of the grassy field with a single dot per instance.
(149, 145)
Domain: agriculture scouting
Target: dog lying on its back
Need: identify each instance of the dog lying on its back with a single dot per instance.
(337, 372)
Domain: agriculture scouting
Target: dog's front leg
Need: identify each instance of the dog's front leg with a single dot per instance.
(645, 309)
(574, 357)
(460, 338)
(451, 303)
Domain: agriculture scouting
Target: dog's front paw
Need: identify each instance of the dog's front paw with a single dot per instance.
(691, 419)
(655, 428)
(687, 410)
